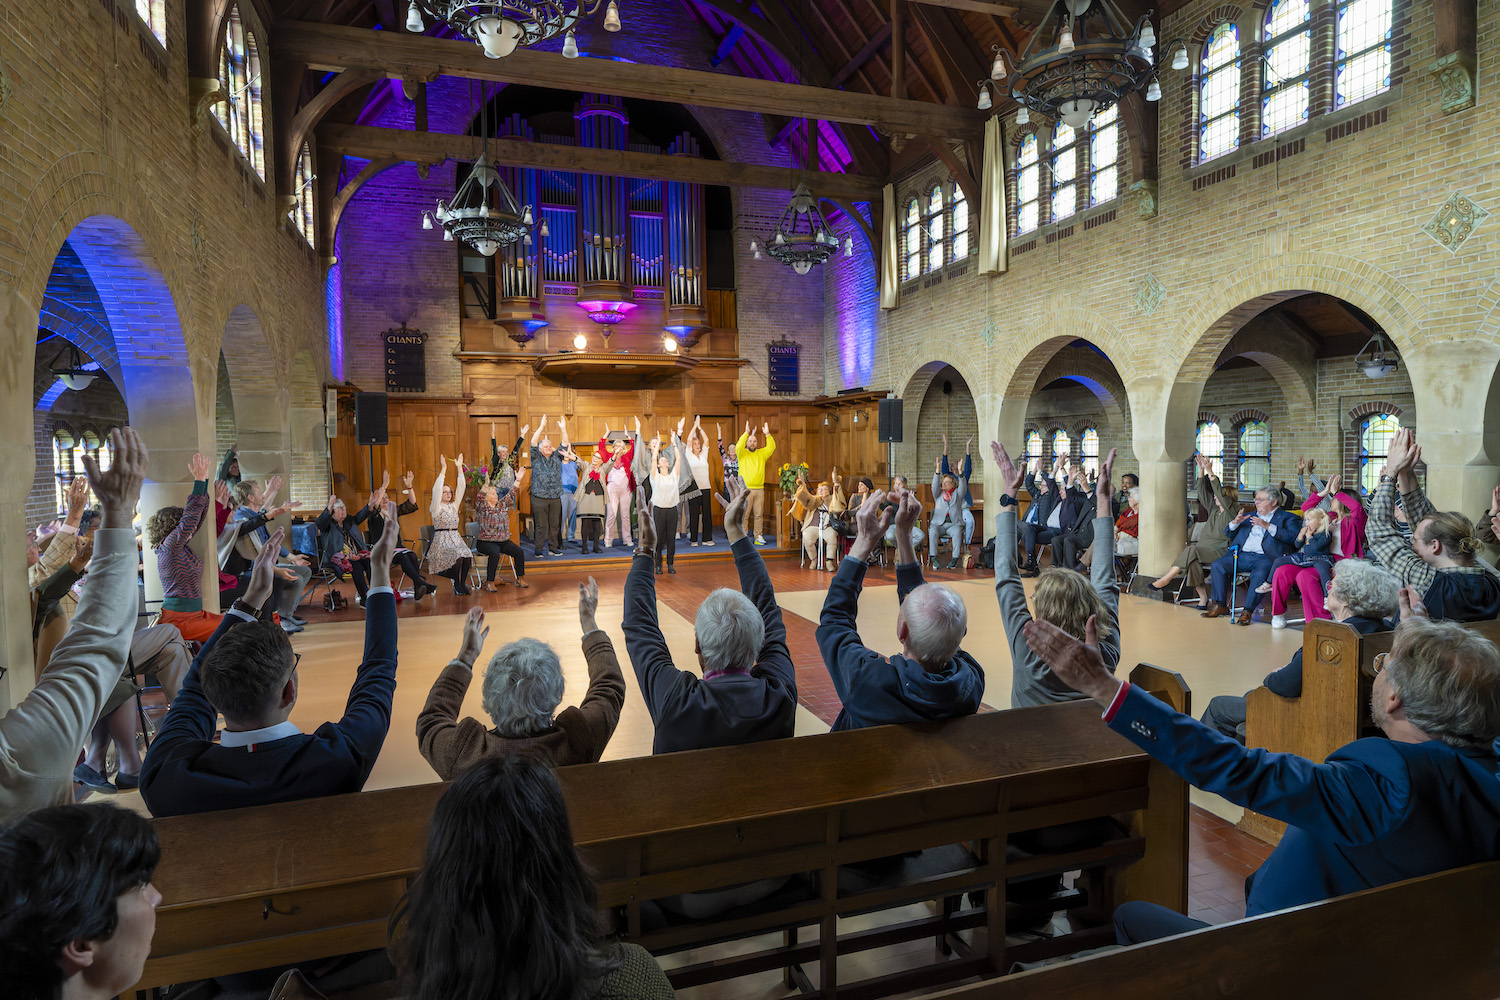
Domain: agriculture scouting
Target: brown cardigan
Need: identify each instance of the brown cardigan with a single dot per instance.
(576, 736)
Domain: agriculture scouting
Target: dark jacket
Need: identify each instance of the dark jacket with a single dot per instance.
(1078, 510)
(877, 691)
(1376, 812)
(1464, 594)
(1287, 681)
(1041, 502)
(375, 520)
(186, 772)
(689, 712)
(1287, 526)
(333, 535)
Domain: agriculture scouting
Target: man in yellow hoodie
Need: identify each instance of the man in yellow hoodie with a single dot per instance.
(753, 459)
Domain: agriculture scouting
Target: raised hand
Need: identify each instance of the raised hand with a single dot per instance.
(409, 480)
(1403, 452)
(871, 524)
(588, 606)
(475, 633)
(82, 553)
(221, 493)
(1336, 483)
(736, 499)
(719, 431)
(459, 461)
(274, 484)
(766, 429)
(384, 548)
(1010, 476)
(385, 479)
(908, 510)
(968, 446)
(198, 467)
(637, 426)
(333, 498)
(1079, 665)
(263, 571)
(945, 444)
(645, 527)
(1410, 603)
(279, 510)
(1495, 500)
(523, 430)
(680, 425)
(1105, 470)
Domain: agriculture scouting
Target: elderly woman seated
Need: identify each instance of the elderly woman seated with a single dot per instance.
(522, 689)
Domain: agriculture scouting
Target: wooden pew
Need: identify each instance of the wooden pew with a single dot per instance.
(1334, 710)
(294, 882)
(1437, 936)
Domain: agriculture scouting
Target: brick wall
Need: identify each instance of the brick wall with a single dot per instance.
(950, 413)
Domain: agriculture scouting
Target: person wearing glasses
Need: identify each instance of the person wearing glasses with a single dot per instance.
(247, 672)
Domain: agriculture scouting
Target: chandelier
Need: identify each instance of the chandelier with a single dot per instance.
(499, 26)
(1083, 59)
(74, 373)
(483, 213)
(802, 238)
(1376, 359)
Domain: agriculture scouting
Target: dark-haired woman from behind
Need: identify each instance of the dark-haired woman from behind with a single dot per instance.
(503, 906)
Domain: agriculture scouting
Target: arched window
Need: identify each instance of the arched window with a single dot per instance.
(1064, 172)
(1089, 444)
(64, 441)
(1033, 445)
(1062, 445)
(1028, 185)
(934, 228)
(913, 240)
(1211, 445)
(1219, 94)
(1255, 455)
(302, 210)
(239, 76)
(153, 13)
(1284, 93)
(960, 223)
(1364, 51)
(1374, 443)
(1104, 156)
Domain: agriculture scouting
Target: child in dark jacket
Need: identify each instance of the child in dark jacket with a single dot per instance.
(1314, 542)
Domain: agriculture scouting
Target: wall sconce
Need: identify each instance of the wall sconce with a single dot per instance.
(830, 419)
(861, 416)
(580, 342)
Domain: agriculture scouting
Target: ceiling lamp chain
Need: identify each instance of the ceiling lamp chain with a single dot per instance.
(502, 26)
(802, 238)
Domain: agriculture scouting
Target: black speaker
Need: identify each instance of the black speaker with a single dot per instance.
(890, 421)
(370, 418)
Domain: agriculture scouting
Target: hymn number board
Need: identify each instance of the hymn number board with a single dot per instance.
(405, 360)
(785, 367)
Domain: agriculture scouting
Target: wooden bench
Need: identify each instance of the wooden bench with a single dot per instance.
(1334, 710)
(295, 882)
(1366, 944)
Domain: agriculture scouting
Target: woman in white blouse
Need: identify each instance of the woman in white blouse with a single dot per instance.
(665, 494)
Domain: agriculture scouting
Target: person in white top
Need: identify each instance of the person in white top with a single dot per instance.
(699, 517)
(664, 497)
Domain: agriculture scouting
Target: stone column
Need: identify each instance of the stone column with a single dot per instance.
(263, 425)
(1163, 421)
(1458, 421)
(18, 320)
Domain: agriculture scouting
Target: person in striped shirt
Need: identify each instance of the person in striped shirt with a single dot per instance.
(170, 532)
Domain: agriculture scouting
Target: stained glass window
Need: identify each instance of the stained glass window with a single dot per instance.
(1064, 172)
(302, 211)
(1104, 156)
(1028, 185)
(1219, 94)
(153, 13)
(934, 227)
(1284, 93)
(1374, 444)
(1033, 445)
(1364, 50)
(1211, 445)
(913, 240)
(960, 223)
(1255, 455)
(239, 77)
(1090, 447)
(1062, 445)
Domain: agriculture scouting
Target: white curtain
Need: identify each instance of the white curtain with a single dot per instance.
(890, 252)
(993, 250)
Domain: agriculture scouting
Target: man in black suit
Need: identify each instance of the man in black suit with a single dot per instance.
(1259, 538)
(248, 672)
(1039, 526)
(1075, 531)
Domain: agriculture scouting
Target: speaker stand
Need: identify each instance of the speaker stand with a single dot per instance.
(371, 463)
(890, 466)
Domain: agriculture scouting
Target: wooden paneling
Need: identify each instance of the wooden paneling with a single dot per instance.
(721, 306)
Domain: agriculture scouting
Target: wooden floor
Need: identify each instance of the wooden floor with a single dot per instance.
(1214, 657)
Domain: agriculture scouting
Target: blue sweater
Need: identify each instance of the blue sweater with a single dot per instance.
(186, 772)
(1376, 812)
(877, 691)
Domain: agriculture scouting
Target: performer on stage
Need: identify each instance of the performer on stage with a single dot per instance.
(619, 486)
(493, 507)
(664, 495)
(699, 517)
(449, 554)
(753, 457)
(591, 502)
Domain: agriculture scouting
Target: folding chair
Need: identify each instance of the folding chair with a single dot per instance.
(471, 539)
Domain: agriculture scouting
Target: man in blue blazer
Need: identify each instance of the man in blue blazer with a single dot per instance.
(1424, 799)
(248, 672)
(1259, 538)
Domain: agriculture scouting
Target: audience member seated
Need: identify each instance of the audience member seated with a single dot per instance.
(1308, 573)
(492, 509)
(41, 736)
(237, 549)
(1217, 504)
(344, 548)
(966, 471)
(169, 533)
(77, 907)
(948, 497)
(1075, 520)
(1319, 491)
(158, 650)
(248, 673)
(931, 678)
(1423, 799)
(1062, 597)
(1128, 525)
(1043, 515)
(1259, 539)
(1121, 500)
(1361, 595)
(1440, 563)
(819, 539)
(50, 598)
(898, 487)
(522, 688)
(503, 906)
(372, 518)
(748, 691)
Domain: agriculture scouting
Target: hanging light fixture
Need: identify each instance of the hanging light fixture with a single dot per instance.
(1381, 358)
(502, 26)
(483, 212)
(985, 103)
(802, 239)
(74, 373)
(1084, 57)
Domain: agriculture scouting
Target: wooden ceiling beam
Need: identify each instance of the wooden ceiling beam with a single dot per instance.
(409, 57)
(975, 6)
(958, 60)
(909, 61)
(370, 143)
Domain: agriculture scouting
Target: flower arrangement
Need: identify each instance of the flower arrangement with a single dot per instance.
(790, 474)
(475, 476)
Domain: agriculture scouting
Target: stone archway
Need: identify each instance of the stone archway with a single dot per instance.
(957, 407)
(259, 396)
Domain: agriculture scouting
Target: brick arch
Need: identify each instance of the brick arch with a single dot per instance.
(920, 372)
(1369, 409)
(1040, 343)
(1093, 373)
(1248, 414)
(1208, 417)
(1206, 25)
(79, 329)
(1289, 359)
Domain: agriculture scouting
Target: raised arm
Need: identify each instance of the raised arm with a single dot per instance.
(461, 480)
(644, 643)
(1009, 592)
(1383, 539)
(1102, 568)
(438, 483)
(755, 583)
(367, 715)
(440, 736)
(844, 654)
(541, 428)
